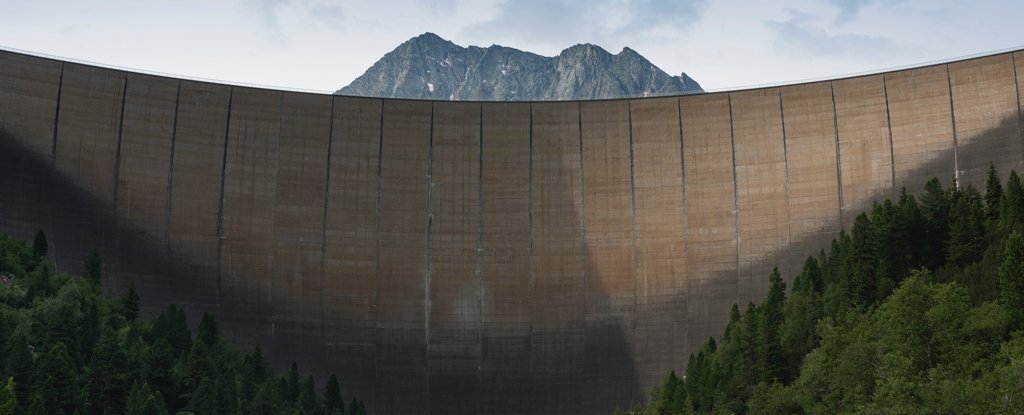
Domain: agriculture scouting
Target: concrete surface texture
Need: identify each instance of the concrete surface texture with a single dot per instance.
(463, 257)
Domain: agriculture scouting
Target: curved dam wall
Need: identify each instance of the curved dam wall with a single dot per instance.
(462, 257)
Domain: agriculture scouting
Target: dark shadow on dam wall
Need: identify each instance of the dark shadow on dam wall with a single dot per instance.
(474, 257)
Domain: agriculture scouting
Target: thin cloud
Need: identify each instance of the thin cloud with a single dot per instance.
(800, 33)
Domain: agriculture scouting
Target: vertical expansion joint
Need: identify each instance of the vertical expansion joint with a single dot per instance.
(952, 117)
(56, 117)
(170, 169)
(427, 258)
(273, 204)
(888, 123)
(117, 147)
(735, 193)
(839, 159)
(583, 224)
(685, 210)
(323, 227)
(377, 215)
(529, 256)
(220, 207)
(1016, 83)
(480, 248)
(785, 161)
(633, 201)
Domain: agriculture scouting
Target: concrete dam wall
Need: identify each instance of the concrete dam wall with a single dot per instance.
(465, 257)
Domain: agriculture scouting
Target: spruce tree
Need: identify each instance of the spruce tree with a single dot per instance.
(39, 245)
(307, 401)
(208, 330)
(1011, 275)
(20, 366)
(130, 302)
(93, 268)
(993, 194)
(1012, 203)
(58, 381)
(333, 402)
(768, 349)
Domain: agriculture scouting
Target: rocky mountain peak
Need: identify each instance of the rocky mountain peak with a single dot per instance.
(431, 67)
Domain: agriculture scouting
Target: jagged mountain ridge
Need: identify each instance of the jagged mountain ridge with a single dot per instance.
(430, 67)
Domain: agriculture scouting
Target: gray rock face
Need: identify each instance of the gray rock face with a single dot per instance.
(429, 67)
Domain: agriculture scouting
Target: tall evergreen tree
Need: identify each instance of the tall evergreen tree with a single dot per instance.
(1012, 205)
(307, 400)
(208, 330)
(769, 351)
(142, 401)
(57, 376)
(1011, 275)
(39, 245)
(20, 366)
(291, 384)
(993, 194)
(333, 403)
(130, 302)
(93, 268)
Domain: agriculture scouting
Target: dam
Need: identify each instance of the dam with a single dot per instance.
(475, 257)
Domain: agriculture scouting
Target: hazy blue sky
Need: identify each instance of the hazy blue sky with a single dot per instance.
(323, 45)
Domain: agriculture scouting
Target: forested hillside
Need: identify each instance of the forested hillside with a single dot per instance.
(67, 349)
(917, 309)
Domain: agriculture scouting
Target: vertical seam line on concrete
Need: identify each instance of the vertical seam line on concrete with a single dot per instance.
(426, 271)
(170, 170)
(220, 208)
(685, 217)
(632, 189)
(888, 123)
(839, 159)
(117, 149)
(583, 228)
(789, 195)
(1016, 86)
(952, 117)
(480, 252)
(735, 196)
(273, 214)
(56, 117)
(323, 230)
(377, 217)
(529, 257)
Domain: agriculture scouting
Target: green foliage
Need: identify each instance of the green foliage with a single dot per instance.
(93, 268)
(910, 312)
(8, 399)
(142, 401)
(333, 403)
(1011, 274)
(39, 245)
(65, 348)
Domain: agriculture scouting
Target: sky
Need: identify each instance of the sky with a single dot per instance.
(322, 45)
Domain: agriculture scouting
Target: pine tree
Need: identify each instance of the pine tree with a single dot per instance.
(769, 352)
(307, 400)
(357, 407)
(39, 245)
(291, 384)
(93, 268)
(142, 401)
(993, 194)
(130, 302)
(1011, 206)
(333, 402)
(20, 366)
(1011, 275)
(58, 380)
(208, 330)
